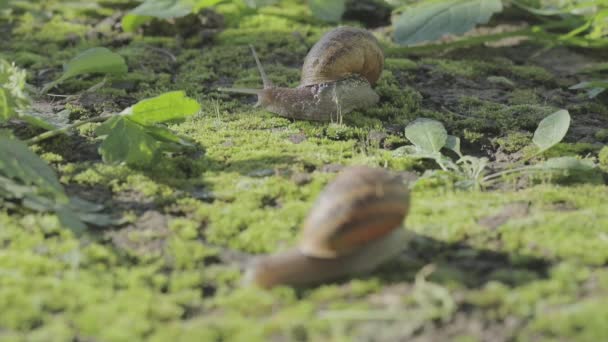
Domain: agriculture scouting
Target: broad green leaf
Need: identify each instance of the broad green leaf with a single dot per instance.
(149, 9)
(130, 22)
(18, 162)
(94, 60)
(164, 9)
(551, 130)
(128, 142)
(70, 219)
(428, 135)
(453, 143)
(430, 20)
(28, 179)
(327, 10)
(107, 126)
(165, 107)
(168, 9)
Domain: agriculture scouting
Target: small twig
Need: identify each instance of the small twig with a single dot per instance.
(63, 130)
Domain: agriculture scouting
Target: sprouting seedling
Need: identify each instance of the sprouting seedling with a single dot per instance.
(429, 137)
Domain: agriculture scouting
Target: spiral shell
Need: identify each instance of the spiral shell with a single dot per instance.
(360, 206)
(343, 52)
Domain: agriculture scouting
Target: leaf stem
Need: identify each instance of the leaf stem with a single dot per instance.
(506, 172)
(49, 134)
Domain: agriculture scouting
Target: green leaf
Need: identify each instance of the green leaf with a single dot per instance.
(164, 9)
(430, 20)
(18, 162)
(165, 107)
(70, 220)
(551, 130)
(327, 10)
(94, 60)
(127, 142)
(26, 178)
(453, 143)
(428, 135)
(149, 9)
(131, 22)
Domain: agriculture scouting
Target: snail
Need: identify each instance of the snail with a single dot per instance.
(337, 77)
(354, 226)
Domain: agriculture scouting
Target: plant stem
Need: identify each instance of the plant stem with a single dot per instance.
(506, 172)
(49, 134)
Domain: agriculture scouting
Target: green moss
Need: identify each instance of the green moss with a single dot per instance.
(454, 67)
(399, 64)
(568, 149)
(523, 96)
(501, 80)
(601, 135)
(531, 72)
(514, 141)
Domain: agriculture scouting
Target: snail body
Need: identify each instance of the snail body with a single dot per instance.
(337, 77)
(355, 225)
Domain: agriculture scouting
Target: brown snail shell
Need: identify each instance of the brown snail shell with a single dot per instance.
(355, 225)
(340, 53)
(360, 205)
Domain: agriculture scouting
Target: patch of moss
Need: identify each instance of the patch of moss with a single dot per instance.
(485, 116)
(523, 96)
(400, 64)
(569, 149)
(57, 29)
(514, 141)
(467, 69)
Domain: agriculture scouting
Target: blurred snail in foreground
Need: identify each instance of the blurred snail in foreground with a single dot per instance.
(355, 225)
(337, 77)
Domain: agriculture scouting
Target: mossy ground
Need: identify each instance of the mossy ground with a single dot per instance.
(525, 264)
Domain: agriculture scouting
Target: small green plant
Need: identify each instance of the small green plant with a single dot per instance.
(136, 136)
(27, 179)
(429, 137)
